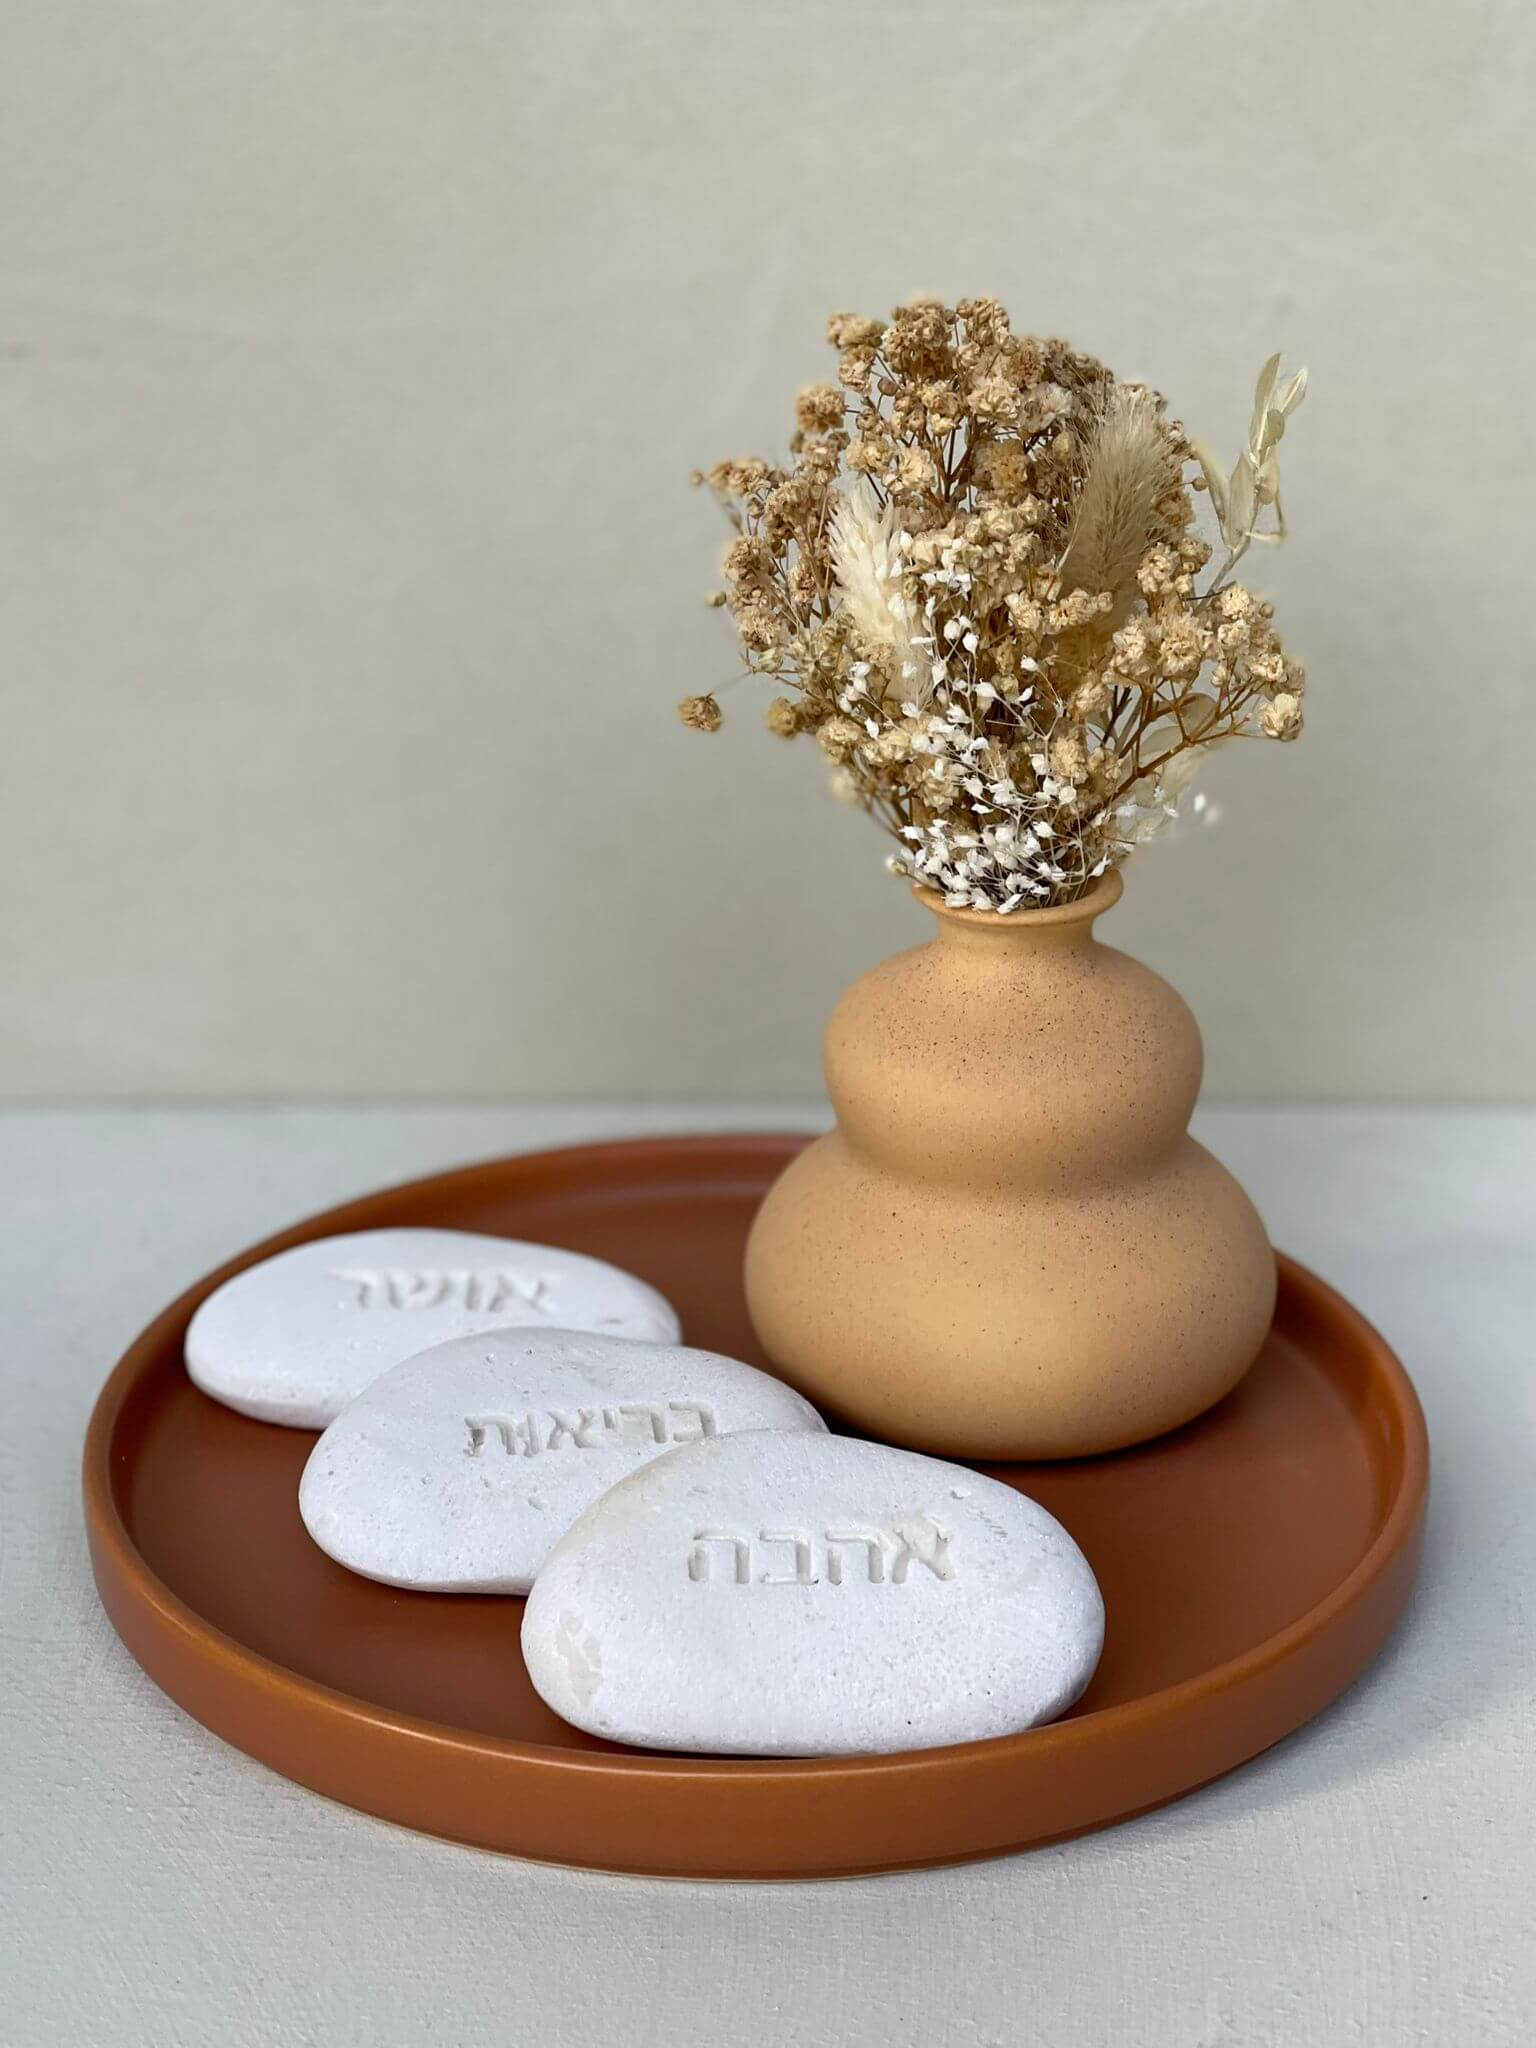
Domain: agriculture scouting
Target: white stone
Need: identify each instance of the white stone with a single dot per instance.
(774, 1595)
(296, 1338)
(459, 1470)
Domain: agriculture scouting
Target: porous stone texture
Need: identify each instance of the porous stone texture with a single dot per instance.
(458, 1470)
(776, 1595)
(294, 1339)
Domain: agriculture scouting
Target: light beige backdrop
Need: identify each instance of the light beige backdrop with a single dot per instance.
(352, 362)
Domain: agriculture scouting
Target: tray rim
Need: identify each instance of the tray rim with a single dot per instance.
(124, 1578)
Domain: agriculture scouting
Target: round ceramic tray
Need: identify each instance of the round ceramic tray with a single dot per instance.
(1252, 1564)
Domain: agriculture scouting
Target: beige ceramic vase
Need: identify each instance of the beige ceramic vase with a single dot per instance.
(1010, 1246)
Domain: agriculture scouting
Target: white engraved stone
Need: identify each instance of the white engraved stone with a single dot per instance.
(776, 1595)
(297, 1337)
(457, 1471)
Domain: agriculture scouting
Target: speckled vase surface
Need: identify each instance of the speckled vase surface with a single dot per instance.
(1010, 1246)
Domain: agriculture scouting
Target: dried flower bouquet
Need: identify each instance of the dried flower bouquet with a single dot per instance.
(978, 578)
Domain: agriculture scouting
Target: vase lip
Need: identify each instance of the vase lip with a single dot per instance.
(1103, 894)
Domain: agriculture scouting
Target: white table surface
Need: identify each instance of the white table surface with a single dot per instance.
(1371, 1881)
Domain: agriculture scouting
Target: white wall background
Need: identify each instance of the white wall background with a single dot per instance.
(352, 362)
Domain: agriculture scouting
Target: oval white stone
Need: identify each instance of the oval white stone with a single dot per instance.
(774, 1595)
(296, 1338)
(460, 1469)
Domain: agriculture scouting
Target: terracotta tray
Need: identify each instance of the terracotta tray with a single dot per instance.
(1251, 1563)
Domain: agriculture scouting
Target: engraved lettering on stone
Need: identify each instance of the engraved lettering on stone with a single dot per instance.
(839, 1540)
(802, 1575)
(421, 1290)
(487, 1293)
(889, 1555)
(700, 1566)
(367, 1283)
(922, 1542)
(703, 1422)
(576, 1430)
(643, 1423)
(516, 1437)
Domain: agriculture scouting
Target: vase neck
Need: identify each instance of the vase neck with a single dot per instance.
(1063, 927)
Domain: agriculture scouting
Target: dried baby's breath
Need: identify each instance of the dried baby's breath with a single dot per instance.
(701, 713)
(978, 580)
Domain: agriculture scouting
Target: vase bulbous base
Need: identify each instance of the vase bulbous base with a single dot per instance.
(1041, 1328)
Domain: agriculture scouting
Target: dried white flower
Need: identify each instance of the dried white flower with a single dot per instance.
(869, 563)
(1281, 717)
